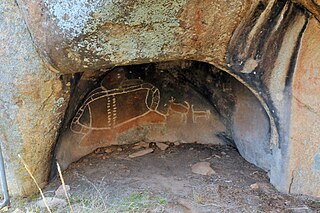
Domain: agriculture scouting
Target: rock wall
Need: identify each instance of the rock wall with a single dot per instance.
(32, 104)
(86, 36)
(150, 102)
(305, 115)
(265, 45)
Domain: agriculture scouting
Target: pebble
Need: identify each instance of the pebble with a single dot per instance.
(60, 191)
(144, 144)
(141, 153)
(119, 149)
(97, 151)
(52, 202)
(177, 143)
(108, 150)
(203, 168)
(162, 146)
(140, 145)
(260, 186)
(223, 153)
(254, 186)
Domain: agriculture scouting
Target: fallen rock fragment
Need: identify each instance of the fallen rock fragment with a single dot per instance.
(60, 191)
(52, 202)
(141, 145)
(141, 153)
(203, 168)
(98, 151)
(177, 143)
(254, 186)
(162, 146)
(262, 187)
(108, 150)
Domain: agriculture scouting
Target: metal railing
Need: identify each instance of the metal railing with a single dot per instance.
(4, 185)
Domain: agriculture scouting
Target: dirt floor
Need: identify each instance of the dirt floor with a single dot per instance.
(162, 181)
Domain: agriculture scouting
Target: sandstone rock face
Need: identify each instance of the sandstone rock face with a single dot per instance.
(269, 47)
(32, 103)
(305, 115)
(313, 6)
(86, 36)
(251, 129)
(142, 103)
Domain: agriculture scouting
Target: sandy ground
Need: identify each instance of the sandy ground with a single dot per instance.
(162, 181)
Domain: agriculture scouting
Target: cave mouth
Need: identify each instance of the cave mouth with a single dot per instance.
(176, 101)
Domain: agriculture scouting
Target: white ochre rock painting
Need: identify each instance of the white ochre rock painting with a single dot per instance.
(122, 104)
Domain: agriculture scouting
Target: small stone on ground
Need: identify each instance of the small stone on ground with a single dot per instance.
(263, 187)
(203, 168)
(141, 145)
(254, 186)
(141, 153)
(52, 202)
(162, 146)
(108, 150)
(60, 191)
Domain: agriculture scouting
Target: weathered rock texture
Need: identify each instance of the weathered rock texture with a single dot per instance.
(86, 36)
(153, 102)
(305, 115)
(270, 47)
(312, 5)
(32, 104)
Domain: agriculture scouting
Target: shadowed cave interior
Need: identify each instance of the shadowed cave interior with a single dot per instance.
(185, 101)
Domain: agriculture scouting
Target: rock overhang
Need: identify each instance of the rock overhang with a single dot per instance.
(257, 42)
